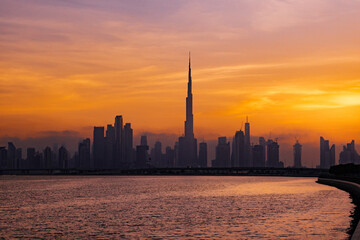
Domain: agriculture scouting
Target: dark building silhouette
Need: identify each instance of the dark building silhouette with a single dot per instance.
(38, 162)
(327, 154)
(109, 151)
(156, 155)
(75, 161)
(30, 157)
(188, 143)
(238, 150)
(176, 150)
(11, 151)
(119, 142)
(273, 160)
(3, 157)
(203, 155)
(56, 155)
(128, 146)
(143, 141)
(169, 157)
(98, 148)
(19, 159)
(262, 142)
(222, 153)
(119, 146)
(48, 158)
(349, 154)
(248, 158)
(84, 154)
(142, 154)
(63, 158)
(34, 160)
(258, 152)
(297, 154)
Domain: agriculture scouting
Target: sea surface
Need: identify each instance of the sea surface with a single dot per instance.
(171, 207)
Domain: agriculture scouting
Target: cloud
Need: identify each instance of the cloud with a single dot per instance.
(65, 133)
(274, 15)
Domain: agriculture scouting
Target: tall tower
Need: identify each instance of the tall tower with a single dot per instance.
(187, 155)
(98, 148)
(297, 154)
(189, 128)
(118, 125)
(248, 158)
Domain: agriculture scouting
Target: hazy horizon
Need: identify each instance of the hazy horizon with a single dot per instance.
(291, 66)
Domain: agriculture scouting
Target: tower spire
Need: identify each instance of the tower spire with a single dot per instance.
(189, 105)
(189, 59)
(189, 77)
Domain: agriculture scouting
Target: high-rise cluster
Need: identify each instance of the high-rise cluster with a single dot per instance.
(349, 154)
(113, 149)
(327, 154)
(244, 154)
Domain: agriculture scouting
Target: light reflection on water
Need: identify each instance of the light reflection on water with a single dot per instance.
(176, 207)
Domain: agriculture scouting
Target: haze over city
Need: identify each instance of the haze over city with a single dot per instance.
(290, 66)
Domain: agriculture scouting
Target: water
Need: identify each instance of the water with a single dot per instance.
(165, 207)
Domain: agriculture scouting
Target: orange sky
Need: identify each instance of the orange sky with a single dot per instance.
(292, 66)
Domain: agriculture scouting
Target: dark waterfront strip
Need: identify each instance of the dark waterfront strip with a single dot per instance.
(354, 190)
(286, 172)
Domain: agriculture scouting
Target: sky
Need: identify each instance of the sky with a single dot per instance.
(291, 66)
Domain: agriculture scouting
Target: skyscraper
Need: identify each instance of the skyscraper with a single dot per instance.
(273, 155)
(262, 142)
(128, 146)
(48, 157)
(143, 141)
(98, 147)
(203, 154)
(327, 154)
(156, 155)
(109, 146)
(3, 157)
(297, 154)
(84, 153)
(118, 141)
(188, 143)
(169, 157)
(18, 158)
(63, 158)
(349, 154)
(238, 150)
(258, 156)
(142, 153)
(248, 158)
(30, 157)
(222, 158)
(11, 155)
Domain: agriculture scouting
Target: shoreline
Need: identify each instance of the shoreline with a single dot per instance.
(288, 172)
(354, 190)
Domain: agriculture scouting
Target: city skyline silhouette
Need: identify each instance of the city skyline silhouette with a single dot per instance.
(158, 119)
(113, 148)
(291, 74)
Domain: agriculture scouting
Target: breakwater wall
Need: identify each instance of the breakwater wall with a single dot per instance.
(350, 187)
